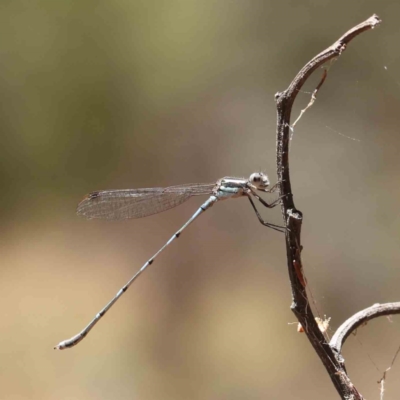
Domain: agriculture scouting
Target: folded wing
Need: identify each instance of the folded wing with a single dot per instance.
(137, 203)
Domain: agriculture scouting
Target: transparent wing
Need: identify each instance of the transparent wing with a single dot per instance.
(137, 203)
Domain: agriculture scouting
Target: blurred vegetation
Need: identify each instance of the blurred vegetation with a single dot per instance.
(132, 93)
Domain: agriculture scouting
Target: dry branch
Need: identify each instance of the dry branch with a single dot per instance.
(331, 359)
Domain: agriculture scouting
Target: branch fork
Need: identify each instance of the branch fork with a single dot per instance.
(329, 353)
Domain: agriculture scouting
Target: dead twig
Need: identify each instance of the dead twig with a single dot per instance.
(293, 217)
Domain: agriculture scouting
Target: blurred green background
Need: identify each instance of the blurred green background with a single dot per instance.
(127, 94)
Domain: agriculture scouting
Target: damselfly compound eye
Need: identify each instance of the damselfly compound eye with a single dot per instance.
(259, 180)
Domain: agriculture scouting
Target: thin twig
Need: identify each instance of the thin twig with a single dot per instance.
(313, 98)
(383, 379)
(293, 217)
(356, 320)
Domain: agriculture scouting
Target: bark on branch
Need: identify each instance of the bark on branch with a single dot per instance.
(331, 358)
(361, 318)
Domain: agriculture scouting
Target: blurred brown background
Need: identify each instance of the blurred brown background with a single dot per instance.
(127, 94)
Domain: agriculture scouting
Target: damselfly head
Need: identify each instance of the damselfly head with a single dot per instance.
(259, 180)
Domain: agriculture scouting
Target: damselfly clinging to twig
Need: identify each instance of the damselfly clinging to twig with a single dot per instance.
(138, 203)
